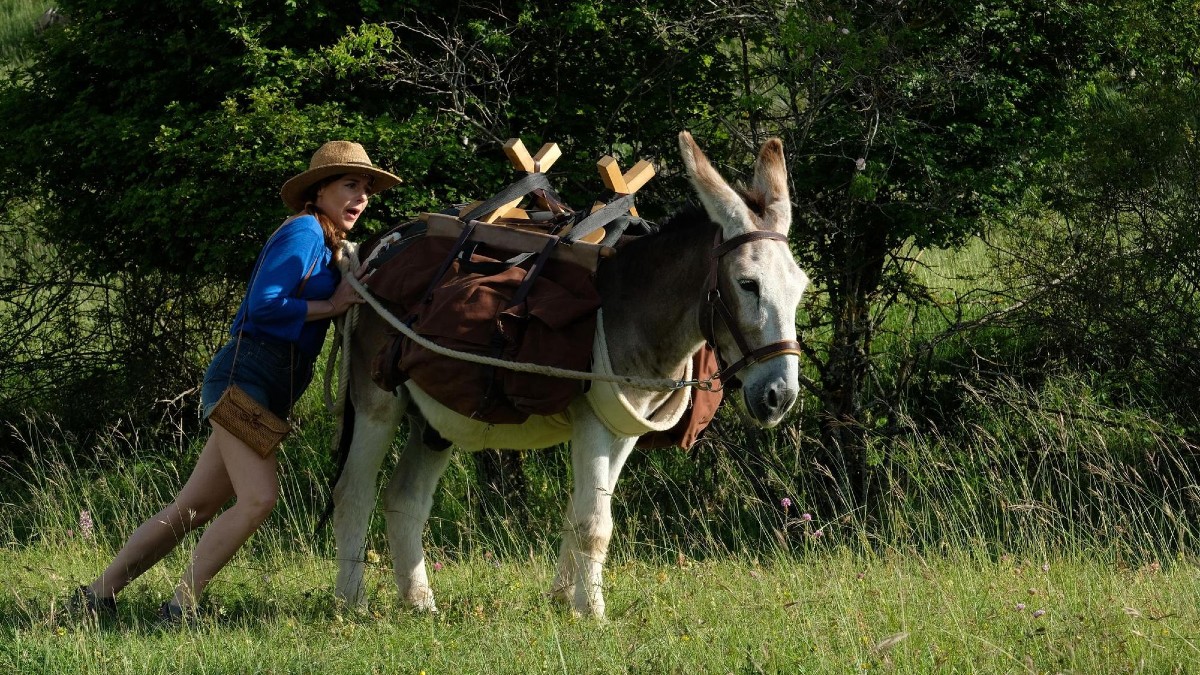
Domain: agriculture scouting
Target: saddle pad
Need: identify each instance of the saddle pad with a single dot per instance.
(614, 409)
(537, 431)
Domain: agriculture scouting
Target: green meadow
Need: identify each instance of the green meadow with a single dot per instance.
(1027, 514)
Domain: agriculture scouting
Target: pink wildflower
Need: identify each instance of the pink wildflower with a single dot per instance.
(786, 503)
(85, 524)
(437, 567)
(818, 534)
(806, 517)
(1038, 612)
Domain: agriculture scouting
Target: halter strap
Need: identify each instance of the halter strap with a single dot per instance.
(715, 307)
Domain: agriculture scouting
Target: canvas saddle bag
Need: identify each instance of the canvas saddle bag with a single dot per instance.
(516, 293)
(496, 291)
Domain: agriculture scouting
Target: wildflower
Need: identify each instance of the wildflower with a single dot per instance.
(85, 524)
(1046, 567)
(806, 517)
(1038, 612)
(845, 31)
(786, 503)
(860, 164)
(1020, 607)
(818, 534)
(437, 567)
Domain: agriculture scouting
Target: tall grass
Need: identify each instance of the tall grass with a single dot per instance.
(18, 20)
(1019, 471)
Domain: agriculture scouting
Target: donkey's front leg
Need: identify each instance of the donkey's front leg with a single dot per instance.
(376, 415)
(407, 503)
(596, 458)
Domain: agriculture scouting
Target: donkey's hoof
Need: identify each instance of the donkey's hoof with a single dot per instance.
(562, 595)
(422, 601)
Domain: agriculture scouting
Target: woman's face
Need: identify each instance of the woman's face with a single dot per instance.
(344, 199)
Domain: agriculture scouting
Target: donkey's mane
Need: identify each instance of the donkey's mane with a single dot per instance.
(645, 255)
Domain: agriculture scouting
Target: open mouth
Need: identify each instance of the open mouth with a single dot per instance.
(352, 214)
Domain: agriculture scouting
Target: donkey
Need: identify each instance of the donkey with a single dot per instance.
(656, 312)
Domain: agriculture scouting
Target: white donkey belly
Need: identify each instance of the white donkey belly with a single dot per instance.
(539, 431)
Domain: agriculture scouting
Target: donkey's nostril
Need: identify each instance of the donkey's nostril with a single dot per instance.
(773, 397)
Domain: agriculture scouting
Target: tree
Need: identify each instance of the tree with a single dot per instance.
(1110, 251)
(160, 183)
(906, 124)
(154, 138)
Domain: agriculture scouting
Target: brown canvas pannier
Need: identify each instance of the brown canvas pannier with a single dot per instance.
(541, 310)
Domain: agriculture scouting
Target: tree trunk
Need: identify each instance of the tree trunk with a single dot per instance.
(843, 382)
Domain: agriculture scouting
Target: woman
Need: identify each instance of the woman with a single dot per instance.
(276, 336)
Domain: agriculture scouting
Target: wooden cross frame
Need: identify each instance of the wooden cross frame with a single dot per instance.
(623, 183)
(521, 161)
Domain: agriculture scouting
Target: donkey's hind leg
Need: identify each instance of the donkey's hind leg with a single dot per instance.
(376, 415)
(407, 502)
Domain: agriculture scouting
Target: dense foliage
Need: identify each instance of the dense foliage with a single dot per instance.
(145, 144)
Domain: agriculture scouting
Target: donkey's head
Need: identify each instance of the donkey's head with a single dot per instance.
(758, 279)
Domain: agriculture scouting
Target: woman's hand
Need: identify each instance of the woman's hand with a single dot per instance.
(344, 296)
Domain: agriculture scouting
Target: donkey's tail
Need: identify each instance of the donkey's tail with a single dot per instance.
(340, 406)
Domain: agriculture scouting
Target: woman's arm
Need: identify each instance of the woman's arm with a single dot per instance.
(343, 297)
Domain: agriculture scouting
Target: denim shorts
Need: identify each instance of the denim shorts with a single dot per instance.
(272, 373)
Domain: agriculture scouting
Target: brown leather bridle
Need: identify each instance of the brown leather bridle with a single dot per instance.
(715, 306)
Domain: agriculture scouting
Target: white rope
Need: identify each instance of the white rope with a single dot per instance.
(651, 384)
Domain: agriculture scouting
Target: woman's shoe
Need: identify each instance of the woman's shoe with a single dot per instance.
(85, 602)
(171, 614)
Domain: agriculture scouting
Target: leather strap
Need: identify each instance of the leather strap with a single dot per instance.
(754, 235)
(535, 271)
(715, 308)
(468, 228)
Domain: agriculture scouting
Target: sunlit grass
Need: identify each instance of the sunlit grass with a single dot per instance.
(1039, 528)
(1035, 546)
(827, 610)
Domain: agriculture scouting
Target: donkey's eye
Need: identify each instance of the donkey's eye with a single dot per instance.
(748, 285)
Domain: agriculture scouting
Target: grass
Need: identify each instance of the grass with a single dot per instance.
(18, 18)
(979, 564)
(822, 611)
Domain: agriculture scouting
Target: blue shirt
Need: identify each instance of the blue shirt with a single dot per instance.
(275, 305)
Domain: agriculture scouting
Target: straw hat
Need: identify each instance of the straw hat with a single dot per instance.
(332, 159)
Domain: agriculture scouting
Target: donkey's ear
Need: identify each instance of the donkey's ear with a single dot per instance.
(771, 181)
(724, 205)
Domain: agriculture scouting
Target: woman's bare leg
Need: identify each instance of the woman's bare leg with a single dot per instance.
(206, 491)
(256, 484)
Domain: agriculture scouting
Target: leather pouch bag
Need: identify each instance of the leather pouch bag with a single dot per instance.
(249, 421)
